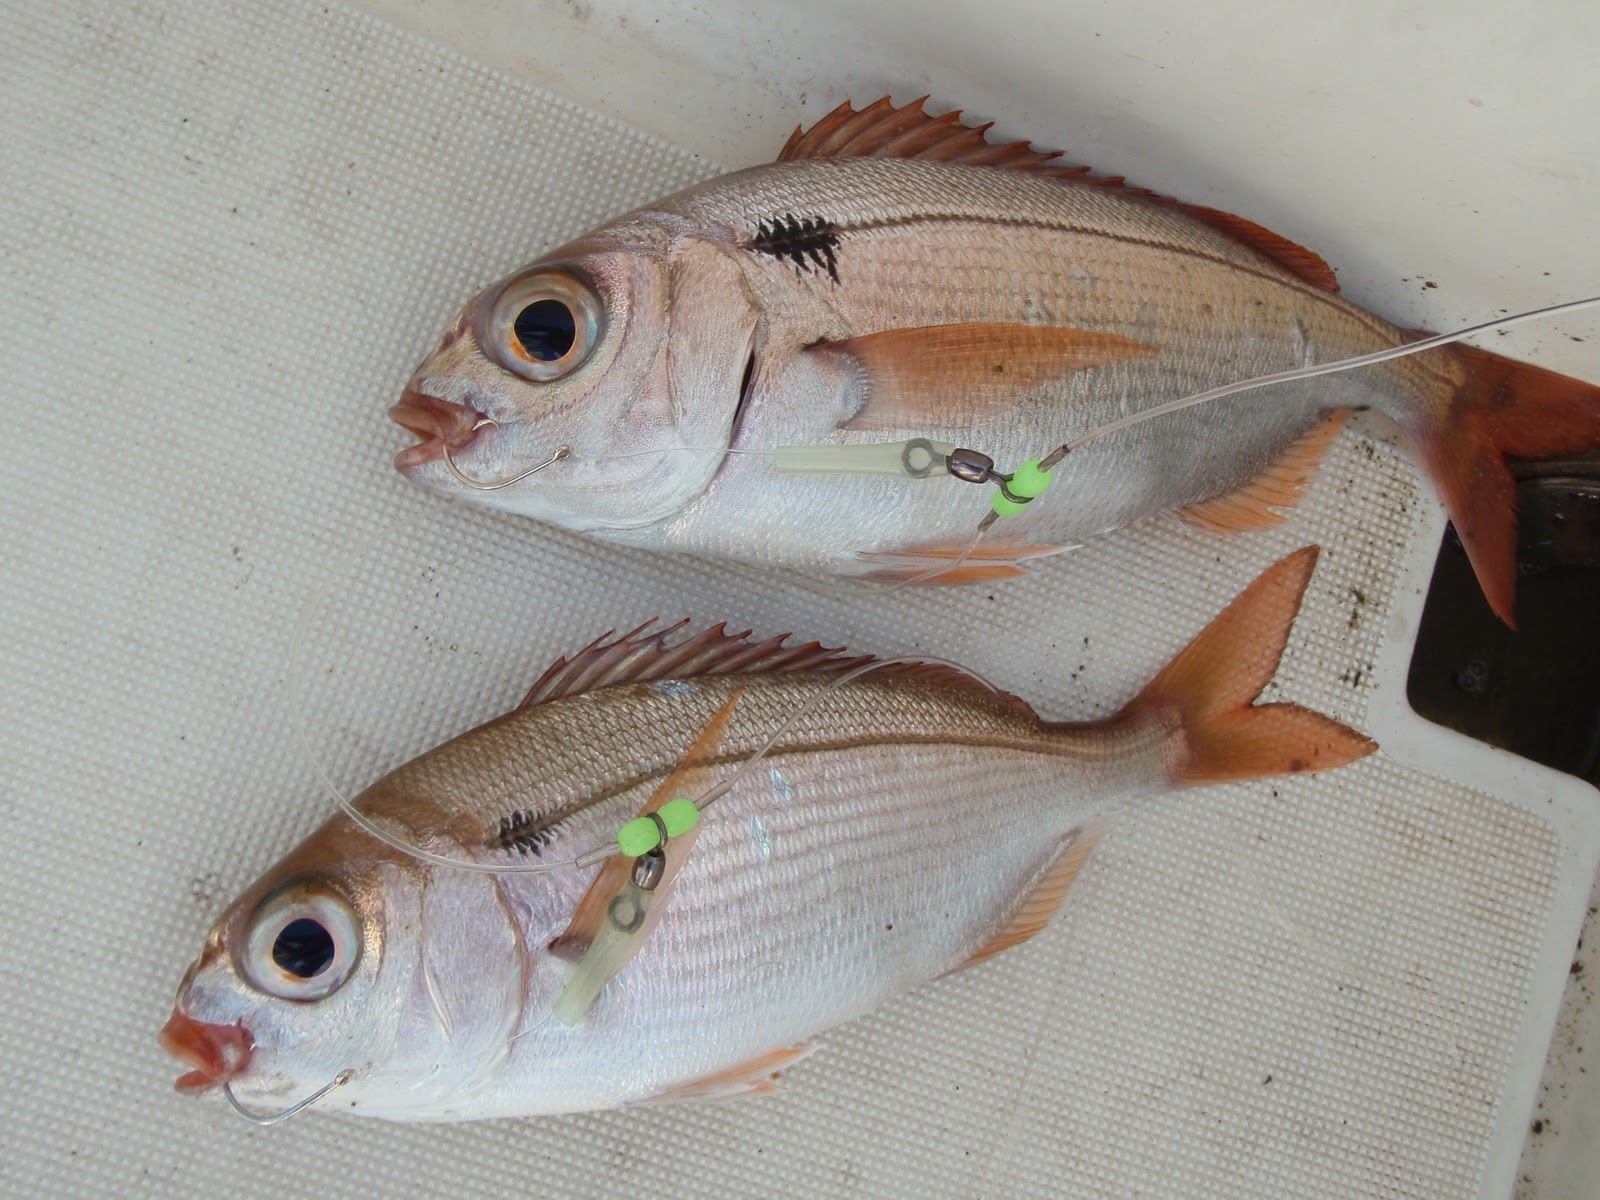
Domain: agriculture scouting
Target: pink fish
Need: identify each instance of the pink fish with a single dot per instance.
(896, 276)
(913, 822)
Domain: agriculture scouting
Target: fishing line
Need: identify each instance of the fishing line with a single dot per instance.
(1311, 372)
(1034, 476)
(1013, 500)
(702, 802)
(1432, 342)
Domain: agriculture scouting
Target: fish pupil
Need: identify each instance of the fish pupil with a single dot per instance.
(304, 948)
(546, 330)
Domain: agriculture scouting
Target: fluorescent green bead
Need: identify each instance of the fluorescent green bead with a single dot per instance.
(638, 837)
(679, 815)
(1030, 480)
(1004, 506)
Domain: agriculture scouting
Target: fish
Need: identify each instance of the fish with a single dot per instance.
(895, 275)
(912, 822)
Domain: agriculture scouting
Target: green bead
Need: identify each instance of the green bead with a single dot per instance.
(1004, 506)
(638, 837)
(679, 815)
(1030, 480)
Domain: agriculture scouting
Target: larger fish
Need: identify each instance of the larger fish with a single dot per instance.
(894, 276)
(912, 822)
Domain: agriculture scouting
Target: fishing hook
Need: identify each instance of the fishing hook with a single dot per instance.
(444, 446)
(339, 1080)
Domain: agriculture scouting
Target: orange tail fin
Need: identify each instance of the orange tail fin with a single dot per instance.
(1213, 683)
(1506, 409)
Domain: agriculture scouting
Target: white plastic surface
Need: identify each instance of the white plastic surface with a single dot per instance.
(229, 233)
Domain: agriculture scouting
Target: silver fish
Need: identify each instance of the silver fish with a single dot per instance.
(912, 821)
(896, 276)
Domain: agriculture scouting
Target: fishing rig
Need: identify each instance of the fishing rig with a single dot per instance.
(644, 840)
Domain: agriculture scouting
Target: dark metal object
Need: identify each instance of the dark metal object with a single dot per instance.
(649, 868)
(971, 466)
(1535, 692)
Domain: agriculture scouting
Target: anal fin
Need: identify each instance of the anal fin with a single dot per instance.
(757, 1077)
(1043, 899)
(983, 563)
(1281, 485)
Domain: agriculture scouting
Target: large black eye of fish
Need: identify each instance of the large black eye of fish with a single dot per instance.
(544, 324)
(546, 330)
(301, 944)
(303, 948)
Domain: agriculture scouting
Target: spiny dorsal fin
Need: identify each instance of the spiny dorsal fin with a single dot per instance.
(883, 131)
(641, 655)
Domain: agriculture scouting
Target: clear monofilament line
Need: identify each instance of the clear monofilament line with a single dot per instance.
(1228, 389)
(1312, 372)
(297, 722)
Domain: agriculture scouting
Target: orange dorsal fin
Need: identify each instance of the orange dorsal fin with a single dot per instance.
(958, 374)
(647, 653)
(757, 1077)
(1291, 256)
(643, 655)
(572, 943)
(1043, 897)
(1280, 486)
(883, 131)
(1209, 690)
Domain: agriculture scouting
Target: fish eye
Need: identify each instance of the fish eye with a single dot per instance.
(301, 943)
(544, 324)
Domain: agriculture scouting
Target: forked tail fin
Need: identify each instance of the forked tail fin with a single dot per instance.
(1213, 682)
(1506, 409)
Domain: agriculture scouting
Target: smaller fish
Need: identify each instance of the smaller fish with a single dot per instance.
(913, 822)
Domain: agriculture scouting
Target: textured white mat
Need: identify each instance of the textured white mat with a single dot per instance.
(229, 232)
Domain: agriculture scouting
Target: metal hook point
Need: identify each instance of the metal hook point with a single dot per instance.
(339, 1080)
(561, 452)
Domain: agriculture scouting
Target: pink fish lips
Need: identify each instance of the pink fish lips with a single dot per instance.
(216, 1052)
(435, 423)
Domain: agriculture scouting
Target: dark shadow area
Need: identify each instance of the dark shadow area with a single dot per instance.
(1535, 692)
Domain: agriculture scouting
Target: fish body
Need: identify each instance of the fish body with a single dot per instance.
(893, 277)
(910, 821)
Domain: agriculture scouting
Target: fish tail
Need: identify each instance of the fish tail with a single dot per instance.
(1504, 409)
(1213, 682)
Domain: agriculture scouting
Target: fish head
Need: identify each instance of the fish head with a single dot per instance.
(349, 956)
(619, 360)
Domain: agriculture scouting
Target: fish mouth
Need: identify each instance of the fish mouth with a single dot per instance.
(216, 1052)
(436, 423)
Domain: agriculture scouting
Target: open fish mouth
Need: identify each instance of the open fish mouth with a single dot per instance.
(435, 423)
(216, 1052)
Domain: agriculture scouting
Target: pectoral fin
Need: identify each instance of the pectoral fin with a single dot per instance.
(945, 375)
(574, 941)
